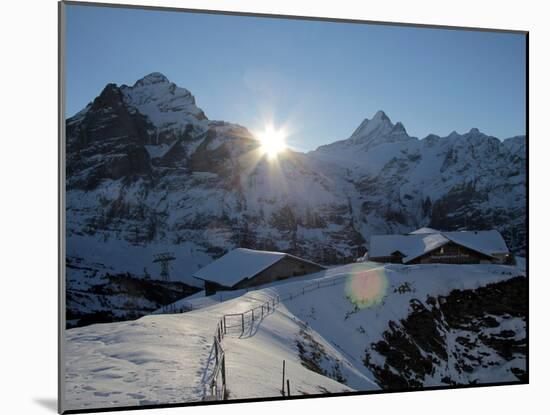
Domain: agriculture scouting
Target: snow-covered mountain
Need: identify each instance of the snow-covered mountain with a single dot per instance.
(468, 181)
(148, 172)
(367, 327)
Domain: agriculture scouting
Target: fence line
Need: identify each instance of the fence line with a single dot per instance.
(218, 381)
(246, 319)
(185, 306)
(173, 309)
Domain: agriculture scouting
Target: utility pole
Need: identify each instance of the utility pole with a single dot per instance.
(164, 260)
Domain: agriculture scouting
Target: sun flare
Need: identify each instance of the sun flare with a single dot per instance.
(272, 142)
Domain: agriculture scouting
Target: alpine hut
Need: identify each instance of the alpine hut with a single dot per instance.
(426, 246)
(243, 268)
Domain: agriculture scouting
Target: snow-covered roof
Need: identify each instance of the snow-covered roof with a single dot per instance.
(240, 264)
(486, 242)
(408, 245)
(423, 230)
(416, 244)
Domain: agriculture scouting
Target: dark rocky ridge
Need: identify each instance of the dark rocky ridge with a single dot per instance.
(416, 347)
(140, 296)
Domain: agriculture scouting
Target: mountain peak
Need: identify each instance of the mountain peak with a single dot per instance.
(109, 97)
(379, 124)
(381, 116)
(168, 106)
(151, 79)
(399, 127)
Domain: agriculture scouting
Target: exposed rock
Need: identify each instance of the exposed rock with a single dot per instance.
(121, 297)
(421, 346)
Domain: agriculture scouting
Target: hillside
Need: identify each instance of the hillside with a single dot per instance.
(148, 172)
(377, 327)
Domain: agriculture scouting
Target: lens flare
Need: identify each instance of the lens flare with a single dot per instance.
(272, 141)
(367, 288)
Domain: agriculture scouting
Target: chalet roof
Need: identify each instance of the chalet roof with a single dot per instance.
(241, 264)
(408, 245)
(423, 230)
(486, 242)
(414, 245)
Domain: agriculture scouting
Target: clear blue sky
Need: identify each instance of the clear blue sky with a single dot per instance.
(319, 78)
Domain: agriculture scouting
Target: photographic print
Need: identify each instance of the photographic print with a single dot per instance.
(274, 207)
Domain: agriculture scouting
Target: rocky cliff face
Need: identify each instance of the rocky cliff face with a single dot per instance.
(462, 338)
(148, 172)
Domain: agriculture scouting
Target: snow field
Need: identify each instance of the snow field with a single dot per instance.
(322, 335)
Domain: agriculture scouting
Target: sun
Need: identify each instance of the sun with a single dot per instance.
(272, 142)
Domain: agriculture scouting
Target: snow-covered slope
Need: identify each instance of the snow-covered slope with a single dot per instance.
(389, 327)
(371, 146)
(147, 172)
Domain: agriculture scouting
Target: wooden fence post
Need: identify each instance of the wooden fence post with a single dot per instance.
(283, 388)
(242, 323)
(252, 315)
(224, 382)
(287, 387)
(224, 326)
